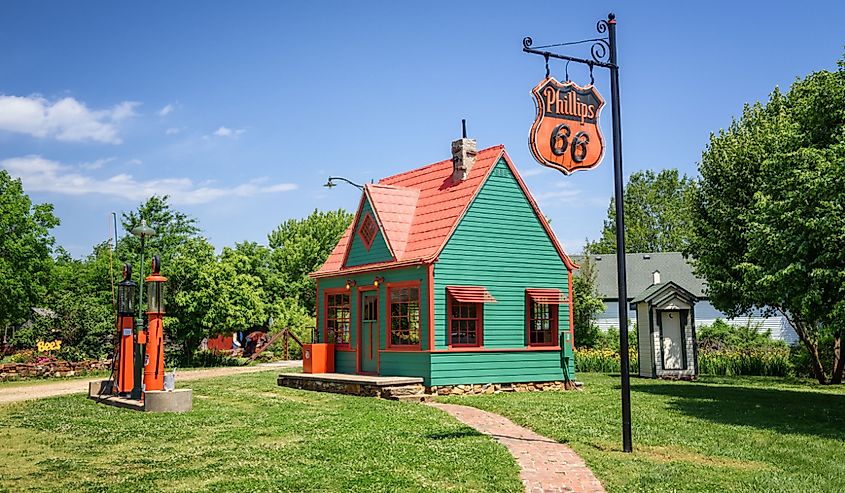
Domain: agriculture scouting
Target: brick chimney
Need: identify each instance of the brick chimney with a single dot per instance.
(463, 157)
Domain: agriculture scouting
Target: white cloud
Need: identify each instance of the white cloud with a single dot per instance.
(66, 119)
(533, 171)
(172, 131)
(134, 162)
(228, 132)
(43, 175)
(99, 163)
(166, 110)
(563, 193)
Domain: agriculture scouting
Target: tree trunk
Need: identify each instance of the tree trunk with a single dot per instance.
(812, 346)
(838, 360)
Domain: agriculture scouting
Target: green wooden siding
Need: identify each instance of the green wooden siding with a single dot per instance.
(344, 361)
(454, 368)
(404, 364)
(499, 244)
(358, 254)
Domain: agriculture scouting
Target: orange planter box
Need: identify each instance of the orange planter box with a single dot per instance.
(318, 358)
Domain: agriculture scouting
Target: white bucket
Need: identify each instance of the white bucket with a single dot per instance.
(170, 381)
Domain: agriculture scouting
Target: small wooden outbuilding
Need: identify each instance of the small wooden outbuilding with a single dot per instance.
(666, 331)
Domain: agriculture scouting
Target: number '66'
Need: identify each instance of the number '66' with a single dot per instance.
(559, 142)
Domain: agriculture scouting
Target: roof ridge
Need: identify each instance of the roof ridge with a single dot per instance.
(417, 170)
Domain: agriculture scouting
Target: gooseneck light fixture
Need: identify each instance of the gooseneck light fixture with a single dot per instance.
(330, 182)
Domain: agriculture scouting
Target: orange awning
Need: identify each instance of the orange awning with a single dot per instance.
(470, 294)
(547, 296)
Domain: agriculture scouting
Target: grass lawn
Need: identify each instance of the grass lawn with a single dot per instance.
(721, 434)
(247, 434)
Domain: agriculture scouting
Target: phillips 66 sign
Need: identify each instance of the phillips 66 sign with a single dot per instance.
(565, 134)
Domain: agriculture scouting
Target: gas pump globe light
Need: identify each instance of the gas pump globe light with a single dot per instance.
(126, 292)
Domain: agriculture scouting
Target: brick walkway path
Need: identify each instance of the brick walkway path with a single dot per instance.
(546, 465)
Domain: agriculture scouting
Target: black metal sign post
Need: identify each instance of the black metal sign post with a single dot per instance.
(603, 53)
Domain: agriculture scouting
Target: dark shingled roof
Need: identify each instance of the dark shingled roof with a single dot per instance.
(639, 268)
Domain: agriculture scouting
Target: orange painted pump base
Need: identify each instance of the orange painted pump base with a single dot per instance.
(318, 358)
(154, 360)
(125, 378)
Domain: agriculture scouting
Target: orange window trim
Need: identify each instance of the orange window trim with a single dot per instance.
(389, 306)
(347, 332)
(553, 316)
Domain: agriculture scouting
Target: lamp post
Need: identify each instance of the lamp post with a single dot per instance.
(142, 231)
(603, 52)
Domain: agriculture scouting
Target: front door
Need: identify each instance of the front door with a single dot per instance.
(673, 341)
(368, 349)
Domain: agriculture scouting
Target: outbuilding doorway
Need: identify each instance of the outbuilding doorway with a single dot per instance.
(672, 324)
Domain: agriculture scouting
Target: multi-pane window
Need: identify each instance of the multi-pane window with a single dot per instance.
(405, 316)
(368, 230)
(465, 323)
(542, 323)
(337, 318)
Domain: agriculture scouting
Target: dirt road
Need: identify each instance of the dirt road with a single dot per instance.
(42, 389)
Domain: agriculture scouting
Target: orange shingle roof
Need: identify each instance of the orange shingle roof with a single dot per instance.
(418, 210)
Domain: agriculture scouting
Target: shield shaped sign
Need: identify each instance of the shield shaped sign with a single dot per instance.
(565, 135)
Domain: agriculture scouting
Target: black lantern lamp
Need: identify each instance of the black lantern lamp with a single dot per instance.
(126, 292)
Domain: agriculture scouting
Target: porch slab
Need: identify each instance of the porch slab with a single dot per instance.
(385, 387)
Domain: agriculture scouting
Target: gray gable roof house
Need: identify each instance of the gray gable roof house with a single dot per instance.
(646, 269)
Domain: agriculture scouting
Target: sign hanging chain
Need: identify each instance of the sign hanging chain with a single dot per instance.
(546, 56)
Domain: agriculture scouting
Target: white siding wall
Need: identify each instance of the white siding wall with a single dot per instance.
(643, 341)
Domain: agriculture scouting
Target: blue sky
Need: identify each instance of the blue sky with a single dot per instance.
(240, 110)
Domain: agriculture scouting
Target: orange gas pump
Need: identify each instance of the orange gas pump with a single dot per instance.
(154, 360)
(126, 349)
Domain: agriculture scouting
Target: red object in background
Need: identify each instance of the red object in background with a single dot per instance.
(223, 342)
(318, 358)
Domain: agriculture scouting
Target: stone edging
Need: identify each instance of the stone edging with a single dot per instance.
(23, 371)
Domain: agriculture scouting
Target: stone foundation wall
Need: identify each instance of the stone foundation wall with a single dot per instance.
(495, 388)
(20, 371)
(360, 389)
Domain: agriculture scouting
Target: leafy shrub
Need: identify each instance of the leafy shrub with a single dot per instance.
(71, 353)
(208, 358)
(722, 335)
(767, 362)
(266, 357)
(800, 358)
(604, 360)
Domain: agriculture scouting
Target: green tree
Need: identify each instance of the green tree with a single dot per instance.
(656, 214)
(300, 247)
(586, 304)
(187, 260)
(769, 213)
(25, 248)
(239, 298)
